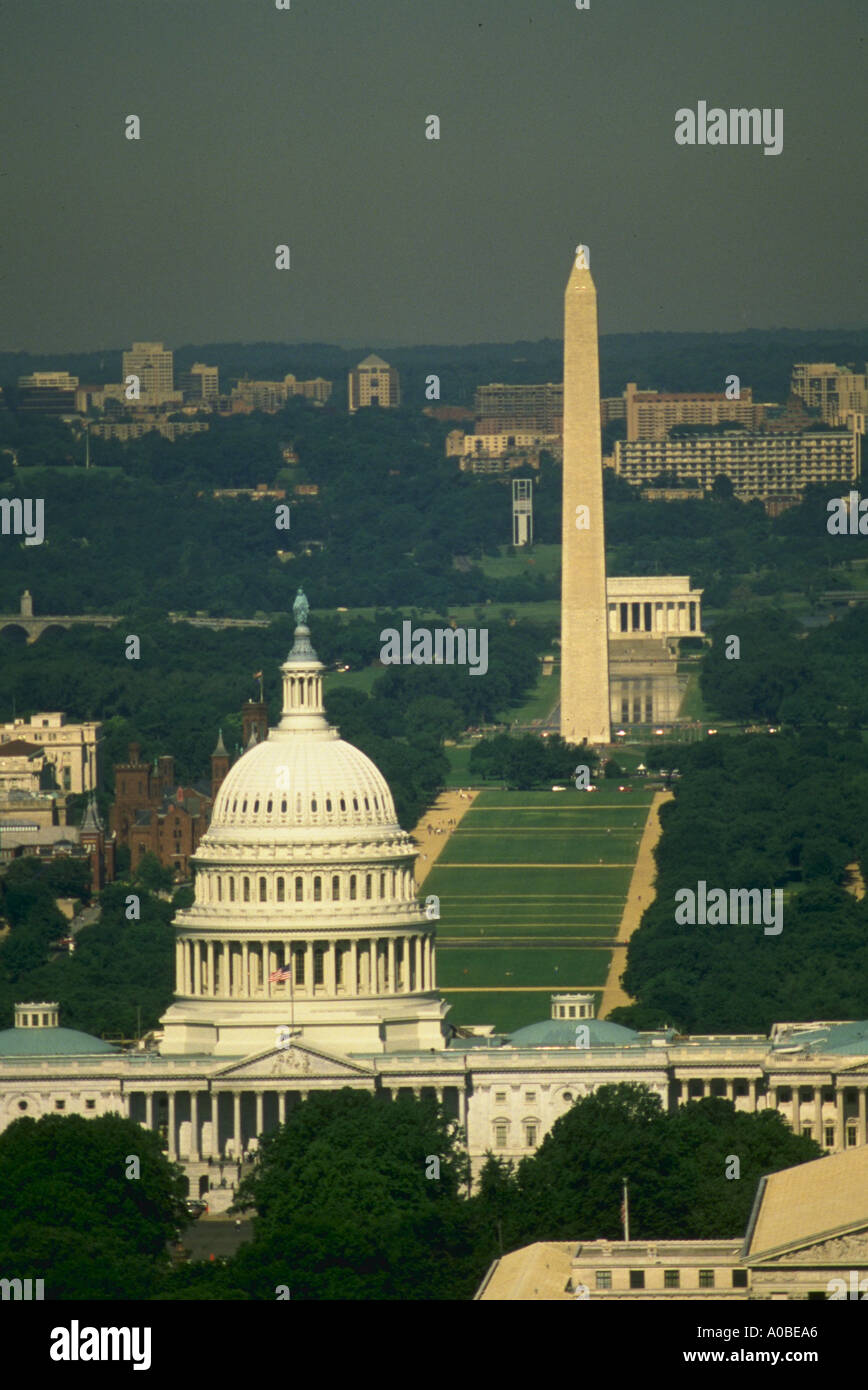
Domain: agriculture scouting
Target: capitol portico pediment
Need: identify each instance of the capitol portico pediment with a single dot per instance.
(840, 1249)
(292, 1061)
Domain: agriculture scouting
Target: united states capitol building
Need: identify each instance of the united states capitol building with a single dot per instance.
(306, 963)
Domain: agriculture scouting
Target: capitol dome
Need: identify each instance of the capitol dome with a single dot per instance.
(309, 781)
(306, 911)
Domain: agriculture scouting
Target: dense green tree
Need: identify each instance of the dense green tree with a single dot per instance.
(359, 1196)
(73, 1213)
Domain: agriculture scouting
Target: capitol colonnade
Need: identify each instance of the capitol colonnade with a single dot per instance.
(221, 968)
(212, 1126)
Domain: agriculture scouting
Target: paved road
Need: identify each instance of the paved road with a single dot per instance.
(215, 1236)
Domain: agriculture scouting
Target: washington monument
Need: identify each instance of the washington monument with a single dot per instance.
(584, 606)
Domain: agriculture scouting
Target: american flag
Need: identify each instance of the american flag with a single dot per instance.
(278, 976)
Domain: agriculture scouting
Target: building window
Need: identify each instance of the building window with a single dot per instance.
(500, 1097)
(299, 967)
(343, 804)
(830, 1137)
(637, 1278)
(500, 1135)
(352, 887)
(60, 1105)
(263, 890)
(232, 890)
(739, 1278)
(219, 889)
(706, 1278)
(318, 965)
(90, 1105)
(22, 1105)
(313, 804)
(671, 1279)
(530, 1136)
(568, 1097)
(530, 1097)
(808, 1131)
(336, 888)
(299, 889)
(851, 1136)
(369, 885)
(317, 889)
(382, 885)
(280, 890)
(246, 887)
(604, 1278)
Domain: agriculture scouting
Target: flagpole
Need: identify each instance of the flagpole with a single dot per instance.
(625, 1212)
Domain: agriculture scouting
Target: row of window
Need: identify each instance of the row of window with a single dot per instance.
(59, 1105)
(299, 809)
(501, 1134)
(672, 1279)
(281, 888)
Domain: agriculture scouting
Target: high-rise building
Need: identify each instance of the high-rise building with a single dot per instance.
(832, 390)
(537, 408)
(651, 414)
(584, 608)
(757, 465)
(74, 750)
(317, 389)
(373, 382)
(201, 383)
(152, 364)
(50, 393)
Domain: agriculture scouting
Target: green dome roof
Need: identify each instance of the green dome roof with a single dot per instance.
(50, 1042)
(561, 1032)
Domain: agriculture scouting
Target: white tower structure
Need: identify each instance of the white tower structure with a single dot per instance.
(522, 511)
(584, 607)
(305, 916)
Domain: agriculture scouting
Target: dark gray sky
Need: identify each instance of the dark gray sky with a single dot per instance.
(306, 126)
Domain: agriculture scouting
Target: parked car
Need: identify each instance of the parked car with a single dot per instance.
(195, 1206)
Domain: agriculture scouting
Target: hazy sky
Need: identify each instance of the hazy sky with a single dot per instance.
(307, 127)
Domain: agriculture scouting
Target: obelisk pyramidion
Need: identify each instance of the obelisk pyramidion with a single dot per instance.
(584, 607)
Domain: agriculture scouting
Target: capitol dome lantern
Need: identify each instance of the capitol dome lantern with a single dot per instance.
(305, 914)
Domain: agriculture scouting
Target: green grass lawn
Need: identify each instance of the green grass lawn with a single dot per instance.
(546, 923)
(355, 680)
(569, 967)
(540, 701)
(459, 765)
(538, 559)
(506, 1011)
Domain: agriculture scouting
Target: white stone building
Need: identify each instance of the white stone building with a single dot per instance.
(306, 963)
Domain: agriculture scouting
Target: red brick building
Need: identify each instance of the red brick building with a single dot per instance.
(152, 815)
